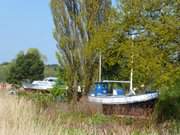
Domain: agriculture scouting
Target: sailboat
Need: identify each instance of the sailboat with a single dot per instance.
(116, 100)
(112, 92)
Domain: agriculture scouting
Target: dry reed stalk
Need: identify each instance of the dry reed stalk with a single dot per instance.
(21, 117)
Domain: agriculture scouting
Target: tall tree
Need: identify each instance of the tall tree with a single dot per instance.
(155, 46)
(76, 24)
(26, 66)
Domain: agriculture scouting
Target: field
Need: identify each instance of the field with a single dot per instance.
(20, 116)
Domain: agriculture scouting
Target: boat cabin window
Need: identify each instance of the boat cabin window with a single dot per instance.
(51, 80)
(109, 88)
(114, 86)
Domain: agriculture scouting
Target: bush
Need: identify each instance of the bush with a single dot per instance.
(59, 91)
(168, 106)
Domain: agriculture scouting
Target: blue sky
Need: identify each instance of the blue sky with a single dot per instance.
(26, 24)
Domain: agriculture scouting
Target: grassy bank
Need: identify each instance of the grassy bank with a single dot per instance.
(20, 116)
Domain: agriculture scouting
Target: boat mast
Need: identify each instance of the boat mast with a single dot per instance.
(131, 80)
(132, 70)
(100, 65)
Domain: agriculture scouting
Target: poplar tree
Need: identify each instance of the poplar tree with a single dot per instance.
(76, 25)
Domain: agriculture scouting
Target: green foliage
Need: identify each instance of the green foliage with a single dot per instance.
(51, 70)
(26, 66)
(4, 70)
(73, 38)
(168, 106)
(153, 49)
(59, 92)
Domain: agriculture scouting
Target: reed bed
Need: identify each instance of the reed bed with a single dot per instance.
(19, 116)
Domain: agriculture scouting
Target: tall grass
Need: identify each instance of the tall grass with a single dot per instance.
(19, 116)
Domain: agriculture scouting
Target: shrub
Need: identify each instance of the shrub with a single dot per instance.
(168, 106)
(59, 91)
